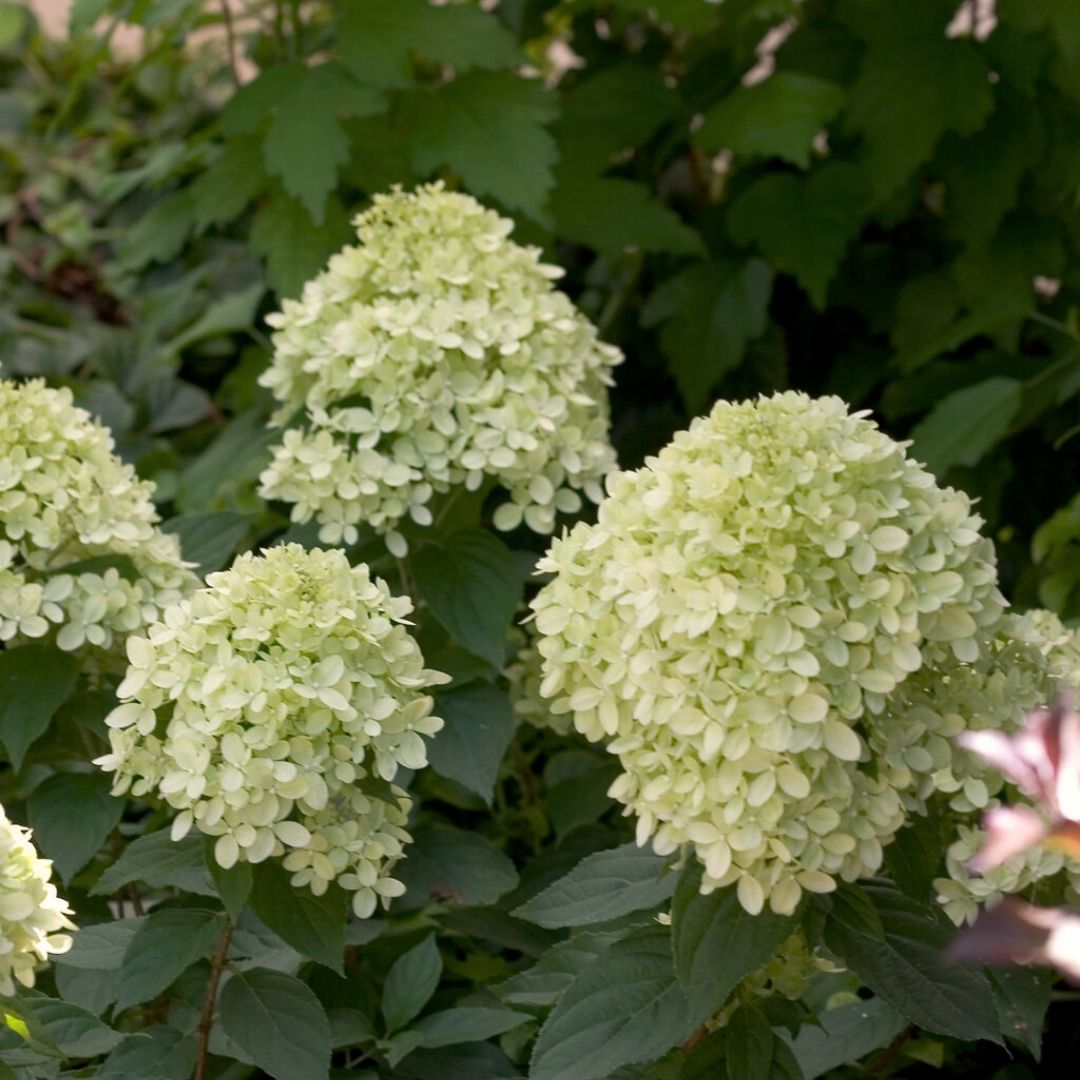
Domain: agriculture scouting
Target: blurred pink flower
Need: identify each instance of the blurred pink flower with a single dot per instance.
(1043, 760)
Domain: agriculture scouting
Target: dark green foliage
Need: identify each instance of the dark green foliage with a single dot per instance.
(876, 209)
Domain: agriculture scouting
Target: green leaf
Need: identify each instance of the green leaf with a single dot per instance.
(852, 908)
(602, 887)
(910, 971)
(717, 944)
(71, 839)
(803, 223)
(467, 1024)
(278, 1022)
(620, 107)
(490, 128)
(915, 857)
(471, 583)
(233, 885)
(410, 983)
(753, 1052)
(965, 426)
(845, 1035)
(162, 949)
(13, 20)
(914, 85)
(100, 946)
(546, 981)
(238, 453)
(610, 214)
(84, 13)
(313, 925)
(157, 1052)
(776, 118)
(294, 247)
(625, 1008)
(35, 680)
(472, 1061)
(76, 1032)
(232, 313)
(1023, 996)
(159, 234)
(709, 314)
(479, 726)
(226, 188)
(209, 539)
(377, 39)
(306, 145)
(159, 861)
(448, 863)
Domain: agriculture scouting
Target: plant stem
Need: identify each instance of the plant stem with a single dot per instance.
(206, 1019)
(230, 41)
(881, 1063)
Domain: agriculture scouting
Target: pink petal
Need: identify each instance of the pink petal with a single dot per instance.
(1009, 831)
(1004, 754)
(1067, 781)
(1016, 932)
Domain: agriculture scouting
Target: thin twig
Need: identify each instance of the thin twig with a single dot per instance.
(881, 1063)
(136, 899)
(206, 1019)
(230, 42)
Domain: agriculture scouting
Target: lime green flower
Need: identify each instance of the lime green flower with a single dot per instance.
(736, 623)
(524, 675)
(31, 912)
(273, 709)
(72, 514)
(436, 354)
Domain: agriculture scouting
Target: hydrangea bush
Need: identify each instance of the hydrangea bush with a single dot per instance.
(81, 554)
(735, 623)
(273, 710)
(435, 354)
(32, 914)
(776, 637)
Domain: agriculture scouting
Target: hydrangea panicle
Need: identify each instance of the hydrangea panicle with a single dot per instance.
(66, 499)
(434, 354)
(273, 709)
(736, 622)
(31, 913)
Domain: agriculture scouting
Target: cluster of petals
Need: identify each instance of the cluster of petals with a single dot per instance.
(1023, 664)
(1007, 853)
(272, 710)
(435, 354)
(32, 915)
(524, 675)
(735, 625)
(81, 554)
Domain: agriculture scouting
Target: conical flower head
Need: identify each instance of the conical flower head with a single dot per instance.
(738, 618)
(81, 554)
(436, 354)
(273, 709)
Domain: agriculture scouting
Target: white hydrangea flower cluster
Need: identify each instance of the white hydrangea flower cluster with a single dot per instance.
(434, 354)
(65, 499)
(273, 709)
(1021, 667)
(31, 912)
(524, 675)
(736, 621)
